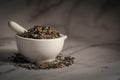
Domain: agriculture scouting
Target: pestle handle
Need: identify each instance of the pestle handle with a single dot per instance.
(16, 27)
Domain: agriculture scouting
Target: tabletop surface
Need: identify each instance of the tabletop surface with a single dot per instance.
(93, 61)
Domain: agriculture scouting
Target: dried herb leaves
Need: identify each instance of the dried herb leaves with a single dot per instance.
(60, 62)
(41, 32)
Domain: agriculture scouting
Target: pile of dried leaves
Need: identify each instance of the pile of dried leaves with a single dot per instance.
(41, 32)
(61, 61)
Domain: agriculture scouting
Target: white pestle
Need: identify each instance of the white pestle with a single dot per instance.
(16, 27)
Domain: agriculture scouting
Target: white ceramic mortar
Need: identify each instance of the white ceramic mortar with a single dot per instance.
(40, 50)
